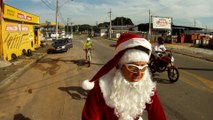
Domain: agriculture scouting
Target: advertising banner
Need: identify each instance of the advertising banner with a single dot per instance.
(19, 15)
(161, 22)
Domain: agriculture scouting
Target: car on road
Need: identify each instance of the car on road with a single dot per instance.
(60, 45)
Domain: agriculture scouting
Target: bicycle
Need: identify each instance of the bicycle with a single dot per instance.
(88, 56)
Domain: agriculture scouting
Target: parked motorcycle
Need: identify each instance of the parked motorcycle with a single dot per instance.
(164, 63)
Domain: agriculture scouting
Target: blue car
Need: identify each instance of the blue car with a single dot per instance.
(61, 45)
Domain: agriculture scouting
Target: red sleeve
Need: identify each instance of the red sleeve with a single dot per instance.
(91, 110)
(155, 110)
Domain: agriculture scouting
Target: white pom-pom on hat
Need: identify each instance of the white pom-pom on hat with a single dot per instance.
(87, 85)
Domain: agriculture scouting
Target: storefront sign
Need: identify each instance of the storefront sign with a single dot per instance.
(16, 14)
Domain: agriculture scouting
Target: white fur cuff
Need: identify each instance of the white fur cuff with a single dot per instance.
(87, 85)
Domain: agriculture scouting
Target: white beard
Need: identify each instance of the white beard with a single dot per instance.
(127, 98)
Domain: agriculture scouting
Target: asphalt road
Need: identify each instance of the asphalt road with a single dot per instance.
(51, 88)
(187, 99)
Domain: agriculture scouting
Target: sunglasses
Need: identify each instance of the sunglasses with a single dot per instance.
(135, 68)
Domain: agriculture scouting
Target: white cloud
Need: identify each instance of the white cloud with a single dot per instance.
(36, 0)
(183, 12)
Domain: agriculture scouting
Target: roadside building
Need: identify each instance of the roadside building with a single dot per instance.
(181, 34)
(103, 31)
(19, 32)
(48, 29)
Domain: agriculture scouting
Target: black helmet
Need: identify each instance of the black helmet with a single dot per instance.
(160, 40)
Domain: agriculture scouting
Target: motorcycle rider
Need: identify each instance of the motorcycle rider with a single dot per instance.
(159, 51)
(159, 48)
(161, 59)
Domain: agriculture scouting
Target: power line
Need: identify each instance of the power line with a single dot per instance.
(65, 3)
(110, 23)
(62, 18)
(51, 4)
(48, 5)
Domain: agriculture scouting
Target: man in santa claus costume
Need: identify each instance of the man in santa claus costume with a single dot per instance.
(123, 89)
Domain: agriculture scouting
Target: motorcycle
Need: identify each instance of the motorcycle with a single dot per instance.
(164, 63)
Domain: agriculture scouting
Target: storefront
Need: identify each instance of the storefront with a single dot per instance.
(20, 33)
(48, 29)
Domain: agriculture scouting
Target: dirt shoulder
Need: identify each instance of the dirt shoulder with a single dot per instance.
(189, 50)
(18, 66)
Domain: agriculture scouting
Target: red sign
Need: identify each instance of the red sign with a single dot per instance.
(162, 22)
(25, 17)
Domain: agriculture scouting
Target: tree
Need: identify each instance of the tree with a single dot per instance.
(122, 21)
(104, 25)
(84, 27)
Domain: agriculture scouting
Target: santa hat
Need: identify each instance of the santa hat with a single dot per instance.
(129, 48)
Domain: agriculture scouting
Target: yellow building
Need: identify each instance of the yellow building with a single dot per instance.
(19, 33)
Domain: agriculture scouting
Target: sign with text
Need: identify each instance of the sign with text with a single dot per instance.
(19, 15)
(161, 22)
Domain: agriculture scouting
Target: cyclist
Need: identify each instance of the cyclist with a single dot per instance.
(87, 46)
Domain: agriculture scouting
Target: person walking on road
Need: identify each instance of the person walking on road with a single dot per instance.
(122, 89)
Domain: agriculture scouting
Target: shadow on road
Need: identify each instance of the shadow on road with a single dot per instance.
(202, 69)
(75, 92)
(82, 62)
(31, 87)
(51, 60)
(160, 80)
(97, 63)
(19, 116)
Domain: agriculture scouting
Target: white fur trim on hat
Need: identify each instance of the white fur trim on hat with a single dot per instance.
(87, 85)
(134, 55)
(133, 43)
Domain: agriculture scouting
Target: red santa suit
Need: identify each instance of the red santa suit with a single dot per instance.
(97, 105)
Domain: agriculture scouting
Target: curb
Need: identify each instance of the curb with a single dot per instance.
(203, 58)
(18, 73)
(194, 54)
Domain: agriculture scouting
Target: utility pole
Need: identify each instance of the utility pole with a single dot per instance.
(122, 25)
(110, 24)
(194, 22)
(96, 23)
(67, 30)
(149, 34)
(56, 19)
(71, 27)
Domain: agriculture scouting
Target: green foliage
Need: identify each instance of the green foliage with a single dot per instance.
(47, 22)
(122, 21)
(104, 25)
(89, 28)
(85, 27)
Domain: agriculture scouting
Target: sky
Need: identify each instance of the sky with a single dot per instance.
(198, 13)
